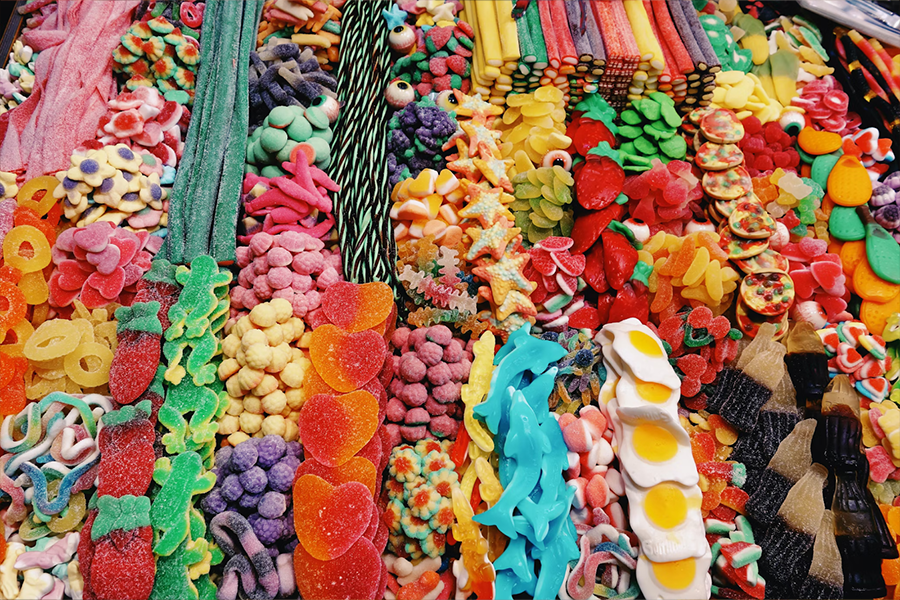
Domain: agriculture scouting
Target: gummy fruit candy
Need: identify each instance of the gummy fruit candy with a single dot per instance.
(354, 307)
(334, 428)
(346, 361)
(327, 518)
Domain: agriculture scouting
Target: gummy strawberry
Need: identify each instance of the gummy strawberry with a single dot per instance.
(594, 269)
(127, 455)
(599, 182)
(589, 134)
(585, 318)
(630, 302)
(123, 564)
(159, 284)
(620, 257)
(138, 334)
(589, 225)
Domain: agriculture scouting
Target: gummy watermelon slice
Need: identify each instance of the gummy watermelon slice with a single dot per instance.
(555, 244)
(542, 261)
(569, 264)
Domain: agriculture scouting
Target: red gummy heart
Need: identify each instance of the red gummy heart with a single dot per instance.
(328, 519)
(346, 361)
(334, 428)
(357, 469)
(804, 283)
(127, 245)
(71, 276)
(827, 273)
(354, 307)
(356, 575)
(833, 305)
(109, 286)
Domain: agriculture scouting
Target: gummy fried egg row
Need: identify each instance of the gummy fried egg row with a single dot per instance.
(641, 394)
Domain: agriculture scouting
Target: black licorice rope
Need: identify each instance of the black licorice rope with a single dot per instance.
(360, 146)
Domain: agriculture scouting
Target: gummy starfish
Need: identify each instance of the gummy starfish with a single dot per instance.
(494, 170)
(516, 303)
(492, 240)
(475, 107)
(506, 275)
(443, 14)
(482, 140)
(485, 205)
(464, 164)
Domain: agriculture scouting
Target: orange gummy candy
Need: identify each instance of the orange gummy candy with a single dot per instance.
(703, 447)
(12, 393)
(417, 589)
(314, 384)
(357, 469)
(706, 240)
(26, 216)
(663, 294)
(354, 307)
(890, 570)
(330, 519)
(334, 428)
(346, 361)
(12, 305)
(678, 263)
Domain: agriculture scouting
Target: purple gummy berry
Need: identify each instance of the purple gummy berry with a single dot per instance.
(291, 461)
(232, 488)
(888, 216)
(271, 505)
(270, 449)
(249, 500)
(254, 480)
(244, 456)
(269, 531)
(294, 448)
(281, 477)
(223, 459)
(214, 502)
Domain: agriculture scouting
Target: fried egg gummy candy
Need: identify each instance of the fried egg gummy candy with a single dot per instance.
(661, 479)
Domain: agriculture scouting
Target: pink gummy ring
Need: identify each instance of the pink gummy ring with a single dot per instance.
(192, 14)
(836, 100)
(307, 149)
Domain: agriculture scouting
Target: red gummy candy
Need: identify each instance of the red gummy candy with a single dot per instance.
(692, 365)
(630, 303)
(594, 269)
(346, 361)
(589, 133)
(735, 498)
(334, 428)
(354, 307)
(703, 447)
(328, 519)
(127, 458)
(134, 364)
(122, 565)
(588, 226)
(620, 257)
(700, 317)
(751, 125)
(355, 575)
(599, 182)
(585, 318)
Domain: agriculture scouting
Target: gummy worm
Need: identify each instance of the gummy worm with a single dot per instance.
(259, 556)
(21, 459)
(17, 510)
(32, 432)
(41, 500)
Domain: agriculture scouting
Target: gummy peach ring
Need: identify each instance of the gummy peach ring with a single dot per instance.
(17, 254)
(39, 184)
(88, 365)
(14, 344)
(51, 340)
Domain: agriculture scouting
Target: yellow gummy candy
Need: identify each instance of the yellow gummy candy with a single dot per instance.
(34, 288)
(475, 391)
(490, 487)
(33, 257)
(868, 432)
(95, 372)
(697, 270)
(51, 340)
(26, 194)
(714, 281)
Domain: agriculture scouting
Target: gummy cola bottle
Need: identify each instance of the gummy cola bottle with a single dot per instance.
(856, 530)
